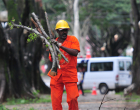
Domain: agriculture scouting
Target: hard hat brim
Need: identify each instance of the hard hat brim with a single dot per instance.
(60, 29)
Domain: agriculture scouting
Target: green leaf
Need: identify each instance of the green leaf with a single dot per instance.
(13, 20)
(20, 23)
(46, 46)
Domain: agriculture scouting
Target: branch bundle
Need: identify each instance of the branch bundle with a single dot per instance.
(49, 40)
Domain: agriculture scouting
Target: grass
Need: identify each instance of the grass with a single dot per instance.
(85, 91)
(42, 99)
(4, 108)
(131, 97)
(13, 101)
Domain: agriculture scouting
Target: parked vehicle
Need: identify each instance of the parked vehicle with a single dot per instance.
(106, 73)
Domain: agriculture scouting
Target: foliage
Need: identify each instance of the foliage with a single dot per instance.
(104, 13)
(12, 8)
(36, 92)
(54, 8)
(104, 16)
(32, 37)
(2, 7)
(109, 18)
(3, 107)
(32, 108)
(85, 91)
(59, 56)
(10, 24)
(57, 5)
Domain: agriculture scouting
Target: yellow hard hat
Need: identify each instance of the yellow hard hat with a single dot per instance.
(62, 24)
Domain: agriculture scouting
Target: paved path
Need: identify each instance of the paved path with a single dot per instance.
(87, 102)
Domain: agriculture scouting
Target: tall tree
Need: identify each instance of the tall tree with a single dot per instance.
(136, 58)
(19, 60)
(76, 18)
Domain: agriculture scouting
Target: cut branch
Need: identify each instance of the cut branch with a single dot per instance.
(42, 37)
(54, 47)
(129, 89)
(40, 26)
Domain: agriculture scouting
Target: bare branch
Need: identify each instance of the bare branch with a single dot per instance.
(42, 37)
(40, 26)
(129, 89)
(102, 102)
(39, 30)
(62, 54)
(46, 16)
(109, 100)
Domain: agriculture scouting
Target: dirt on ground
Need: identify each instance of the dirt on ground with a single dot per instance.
(87, 102)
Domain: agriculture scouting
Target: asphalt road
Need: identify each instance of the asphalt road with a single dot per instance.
(93, 102)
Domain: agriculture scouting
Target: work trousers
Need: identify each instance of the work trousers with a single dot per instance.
(57, 92)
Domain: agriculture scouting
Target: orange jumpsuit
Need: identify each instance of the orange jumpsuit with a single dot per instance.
(67, 76)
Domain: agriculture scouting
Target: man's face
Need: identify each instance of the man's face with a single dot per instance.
(62, 33)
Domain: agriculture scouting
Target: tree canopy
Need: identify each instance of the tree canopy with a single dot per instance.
(99, 19)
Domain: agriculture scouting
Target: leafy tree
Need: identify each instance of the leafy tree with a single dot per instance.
(100, 21)
(107, 19)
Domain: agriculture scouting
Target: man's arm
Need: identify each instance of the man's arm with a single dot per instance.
(73, 52)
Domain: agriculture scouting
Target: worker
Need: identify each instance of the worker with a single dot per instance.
(67, 74)
(80, 79)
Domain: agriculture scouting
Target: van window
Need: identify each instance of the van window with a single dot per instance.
(128, 66)
(83, 66)
(101, 66)
(121, 65)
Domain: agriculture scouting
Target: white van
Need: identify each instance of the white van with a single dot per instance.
(106, 73)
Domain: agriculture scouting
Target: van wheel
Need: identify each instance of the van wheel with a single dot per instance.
(103, 89)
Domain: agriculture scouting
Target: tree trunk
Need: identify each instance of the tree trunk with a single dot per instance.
(136, 54)
(76, 19)
(19, 60)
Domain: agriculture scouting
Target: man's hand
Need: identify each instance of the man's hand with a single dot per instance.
(57, 43)
(52, 73)
(53, 41)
